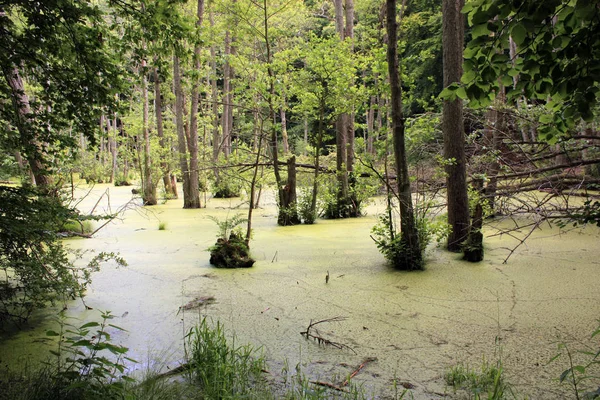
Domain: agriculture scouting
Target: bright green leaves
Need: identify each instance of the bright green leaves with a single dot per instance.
(552, 61)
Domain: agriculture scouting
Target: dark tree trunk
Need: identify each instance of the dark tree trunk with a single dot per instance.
(290, 216)
(473, 248)
(453, 127)
(411, 258)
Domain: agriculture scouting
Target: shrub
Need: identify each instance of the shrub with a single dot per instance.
(37, 269)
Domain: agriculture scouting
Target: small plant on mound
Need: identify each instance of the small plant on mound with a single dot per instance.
(231, 249)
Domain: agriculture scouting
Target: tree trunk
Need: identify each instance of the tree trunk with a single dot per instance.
(453, 127)
(149, 188)
(349, 34)
(170, 190)
(34, 151)
(473, 249)
(371, 126)
(342, 208)
(411, 257)
(194, 201)
(227, 98)
(321, 128)
(181, 134)
(290, 216)
(284, 134)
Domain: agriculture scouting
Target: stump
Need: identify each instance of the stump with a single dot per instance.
(231, 253)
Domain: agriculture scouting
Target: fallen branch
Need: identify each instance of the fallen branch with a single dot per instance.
(320, 339)
(328, 385)
(357, 370)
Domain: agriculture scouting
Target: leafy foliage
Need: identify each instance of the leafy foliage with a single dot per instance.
(85, 365)
(60, 48)
(579, 374)
(36, 267)
(555, 61)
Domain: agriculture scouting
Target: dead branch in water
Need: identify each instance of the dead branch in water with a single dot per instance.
(328, 385)
(322, 340)
(357, 370)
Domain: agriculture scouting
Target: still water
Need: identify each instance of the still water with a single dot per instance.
(415, 325)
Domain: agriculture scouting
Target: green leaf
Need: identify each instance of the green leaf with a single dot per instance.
(462, 93)
(518, 33)
(89, 325)
(480, 30)
(117, 327)
(468, 76)
(51, 333)
(506, 80)
(579, 368)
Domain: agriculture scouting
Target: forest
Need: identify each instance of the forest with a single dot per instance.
(413, 186)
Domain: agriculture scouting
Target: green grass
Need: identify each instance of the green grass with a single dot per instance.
(487, 382)
(217, 368)
(162, 226)
(224, 371)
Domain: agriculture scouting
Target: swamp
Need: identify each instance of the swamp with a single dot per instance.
(414, 325)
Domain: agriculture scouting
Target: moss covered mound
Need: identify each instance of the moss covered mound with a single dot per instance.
(232, 253)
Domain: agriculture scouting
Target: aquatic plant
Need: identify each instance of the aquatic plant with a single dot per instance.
(86, 365)
(579, 373)
(487, 382)
(224, 371)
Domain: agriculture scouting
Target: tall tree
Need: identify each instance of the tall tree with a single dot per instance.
(194, 201)
(343, 206)
(170, 187)
(149, 186)
(56, 50)
(181, 136)
(453, 126)
(411, 257)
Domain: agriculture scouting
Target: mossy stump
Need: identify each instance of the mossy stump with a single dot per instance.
(473, 248)
(232, 253)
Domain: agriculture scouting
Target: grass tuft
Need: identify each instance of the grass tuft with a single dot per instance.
(487, 382)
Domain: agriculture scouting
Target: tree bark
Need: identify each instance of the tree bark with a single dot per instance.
(33, 149)
(411, 257)
(194, 201)
(341, 139)
(149, 189)
(227, 98)
(453, 127)
(181, 134)
(284, 134)
(170, 189)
